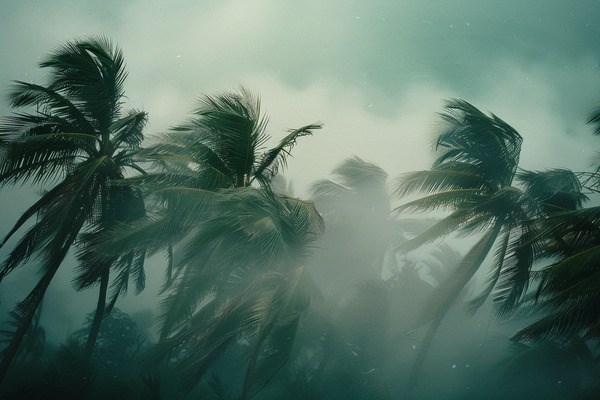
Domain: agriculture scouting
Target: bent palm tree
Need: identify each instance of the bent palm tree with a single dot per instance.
(567, 291)
(235, 249)
(80, 141)
(471, 177)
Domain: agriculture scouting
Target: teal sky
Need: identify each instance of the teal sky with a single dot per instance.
(374, 72)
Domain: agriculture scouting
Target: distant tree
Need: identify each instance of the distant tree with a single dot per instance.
(360, 231)
(119, 339)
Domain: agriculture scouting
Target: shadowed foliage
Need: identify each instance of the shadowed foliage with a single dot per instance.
(78, 141)
(472, 178)
(235, 248)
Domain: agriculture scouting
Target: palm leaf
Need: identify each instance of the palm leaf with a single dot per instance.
(274, 159)
(92, 73)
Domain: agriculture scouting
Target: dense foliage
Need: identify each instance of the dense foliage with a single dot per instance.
(269, 296)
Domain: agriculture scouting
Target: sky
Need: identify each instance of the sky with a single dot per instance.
(375, 73)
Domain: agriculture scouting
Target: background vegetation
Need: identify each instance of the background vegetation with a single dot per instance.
(346, 294)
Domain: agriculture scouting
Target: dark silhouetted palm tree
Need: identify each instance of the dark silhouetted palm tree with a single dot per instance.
(566, 292)
(77, 141)
(472, 177)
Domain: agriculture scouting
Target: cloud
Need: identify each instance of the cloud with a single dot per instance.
(376, 73)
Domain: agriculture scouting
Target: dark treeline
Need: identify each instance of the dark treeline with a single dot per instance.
(350, 294)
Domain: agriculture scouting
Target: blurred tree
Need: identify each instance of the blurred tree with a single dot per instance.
(360, 231)
(119, 339)
(235, 247)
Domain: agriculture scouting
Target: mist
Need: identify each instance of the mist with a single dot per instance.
(320, 272)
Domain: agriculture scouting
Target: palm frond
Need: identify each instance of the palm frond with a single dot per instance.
(440, 229)
(594, 119)
(487, 143)
(446, 200)
(273, 160)
(516, 271)
(438, 180)
(92, 73)
(129, 129)
(54, 106)
(42, 158)
(230, 124)
(555, 190)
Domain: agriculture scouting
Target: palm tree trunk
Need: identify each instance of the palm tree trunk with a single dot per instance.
(447, 294)
(29, 306)
(98, 316)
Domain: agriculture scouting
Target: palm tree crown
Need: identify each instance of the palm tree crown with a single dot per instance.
(472, 177)
(235, 247)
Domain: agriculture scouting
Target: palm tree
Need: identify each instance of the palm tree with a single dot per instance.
(235, 248)
(567, 290)
(361, 230)
(472, 177)
(79, 141)
(222, 146)
(567, 293)
(356, 209)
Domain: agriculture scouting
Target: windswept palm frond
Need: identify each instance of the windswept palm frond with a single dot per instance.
(266, 233)
(554, 190)
(225, 139)
(594, 119)
(275, 158)
(92, 73)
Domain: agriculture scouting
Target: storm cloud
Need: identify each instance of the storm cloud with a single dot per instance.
(375, 73)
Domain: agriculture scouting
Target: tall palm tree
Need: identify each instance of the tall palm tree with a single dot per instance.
(235, 247)
(475, 177)
(472, 177)
(78, 141)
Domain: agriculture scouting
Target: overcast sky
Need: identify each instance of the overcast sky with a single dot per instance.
(375, 72)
